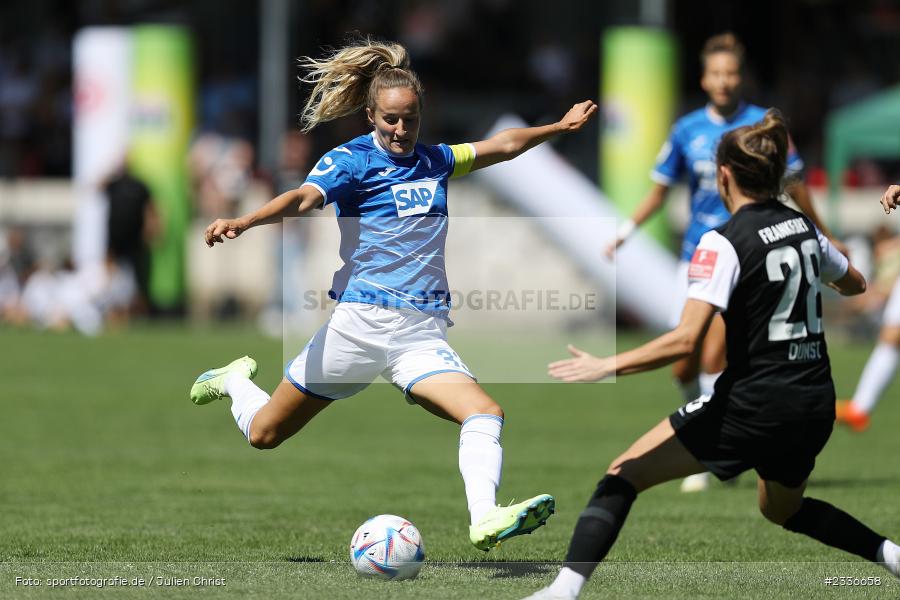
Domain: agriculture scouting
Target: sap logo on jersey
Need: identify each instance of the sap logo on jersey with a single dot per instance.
(414, 198)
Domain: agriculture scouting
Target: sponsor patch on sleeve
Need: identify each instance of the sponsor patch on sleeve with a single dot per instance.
(702, 264)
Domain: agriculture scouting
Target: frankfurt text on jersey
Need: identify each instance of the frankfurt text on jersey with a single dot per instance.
(779, 231)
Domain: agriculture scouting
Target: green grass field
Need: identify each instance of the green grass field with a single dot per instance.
(109, 470)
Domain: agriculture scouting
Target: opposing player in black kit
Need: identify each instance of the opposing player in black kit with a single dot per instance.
(773, 408)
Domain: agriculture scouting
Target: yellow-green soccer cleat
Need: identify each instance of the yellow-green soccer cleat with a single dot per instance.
(504, 522)
(211, 384)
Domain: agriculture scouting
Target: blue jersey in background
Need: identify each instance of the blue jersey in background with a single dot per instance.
(691, 149)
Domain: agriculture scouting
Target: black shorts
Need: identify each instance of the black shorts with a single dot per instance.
(780, 451)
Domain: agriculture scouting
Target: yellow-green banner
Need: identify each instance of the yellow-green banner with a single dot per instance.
(638, 83)
(162, 121)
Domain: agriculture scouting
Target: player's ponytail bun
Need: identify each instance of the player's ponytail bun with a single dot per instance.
(350, 78)
(757, 155)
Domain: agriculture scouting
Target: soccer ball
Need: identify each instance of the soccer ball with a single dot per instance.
(387, 547)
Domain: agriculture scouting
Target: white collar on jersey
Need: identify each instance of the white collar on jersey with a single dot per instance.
(713, 115)
(381, 148)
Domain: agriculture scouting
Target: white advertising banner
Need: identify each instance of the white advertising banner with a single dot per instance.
(102, 76)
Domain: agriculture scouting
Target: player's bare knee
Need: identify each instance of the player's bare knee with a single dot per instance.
(491, 408)
(480, 405)
(714, 363)
(621, 469)
(617, 466)
(890, 335)
(685, 372)
(771, 515)
(264, 439)
(776, 514)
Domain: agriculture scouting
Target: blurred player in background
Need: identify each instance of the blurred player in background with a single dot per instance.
(391, 319)
(773, 407)
(691, 149)
(133, 226)
(882, 364)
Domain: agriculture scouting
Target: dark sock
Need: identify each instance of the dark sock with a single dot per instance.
(599, 524)
(832, 526)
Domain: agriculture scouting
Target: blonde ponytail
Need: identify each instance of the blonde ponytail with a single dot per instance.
(350, 78)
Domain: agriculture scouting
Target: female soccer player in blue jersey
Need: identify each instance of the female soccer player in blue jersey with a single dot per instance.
(690, 150)
(390, 194)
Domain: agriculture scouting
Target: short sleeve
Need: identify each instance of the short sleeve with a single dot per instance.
(714, 270)
(333, 175)
(670, 161)
(443, 154)
(834, 264)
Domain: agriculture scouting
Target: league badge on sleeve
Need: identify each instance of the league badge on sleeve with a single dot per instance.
(703, 264)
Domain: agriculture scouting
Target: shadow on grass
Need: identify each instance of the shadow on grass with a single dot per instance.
(504, 569)
(852, 482)
(748, 481)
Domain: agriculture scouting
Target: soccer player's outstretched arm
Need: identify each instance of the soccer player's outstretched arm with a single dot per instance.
(664, 350)
(835, 269)
(651, 203)
(292, 203)
(851, 284)
(671, 165)
(509, 143)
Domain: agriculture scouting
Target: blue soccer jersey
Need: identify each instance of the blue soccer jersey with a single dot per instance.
(392, 215)
(691, 148)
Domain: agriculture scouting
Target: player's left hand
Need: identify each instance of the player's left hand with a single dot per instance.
(578, 115)
(222, 229)
(582, 367)
(891, 199)
(610, 251)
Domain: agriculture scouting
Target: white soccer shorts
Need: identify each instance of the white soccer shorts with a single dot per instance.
(362, 341)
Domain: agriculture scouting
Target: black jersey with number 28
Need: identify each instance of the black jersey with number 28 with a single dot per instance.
(763, 269)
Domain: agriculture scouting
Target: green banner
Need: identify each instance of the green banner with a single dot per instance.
(637, 91)
(162, 121)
